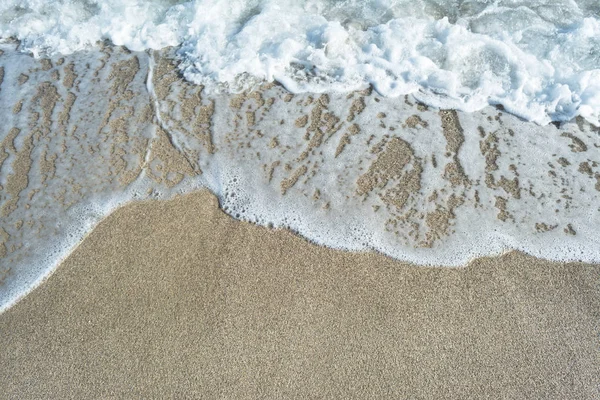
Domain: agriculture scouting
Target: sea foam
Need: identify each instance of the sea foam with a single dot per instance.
(539, 59)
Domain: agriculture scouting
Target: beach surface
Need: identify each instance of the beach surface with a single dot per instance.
(358, 199)
(175, 299)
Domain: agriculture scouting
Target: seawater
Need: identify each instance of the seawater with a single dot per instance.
(333, 119)
(540, 59)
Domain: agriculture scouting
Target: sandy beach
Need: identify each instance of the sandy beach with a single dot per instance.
(168, 240)
(175, 299)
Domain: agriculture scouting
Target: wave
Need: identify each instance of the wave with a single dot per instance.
(539, 59)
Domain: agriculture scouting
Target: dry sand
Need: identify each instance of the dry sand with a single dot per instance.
(177, 300)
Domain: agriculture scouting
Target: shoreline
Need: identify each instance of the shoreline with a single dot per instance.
(87, 133)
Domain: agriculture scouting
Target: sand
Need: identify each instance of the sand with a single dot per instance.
(174, 299)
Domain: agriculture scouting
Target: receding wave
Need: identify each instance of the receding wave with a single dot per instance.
(86, 133)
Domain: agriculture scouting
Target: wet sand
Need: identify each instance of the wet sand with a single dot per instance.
(174, 299)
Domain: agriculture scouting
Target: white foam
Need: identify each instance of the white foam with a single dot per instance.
(540, 59)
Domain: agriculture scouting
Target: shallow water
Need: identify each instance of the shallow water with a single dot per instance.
(87, 132)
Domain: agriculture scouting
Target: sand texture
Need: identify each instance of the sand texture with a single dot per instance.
(174, 299)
